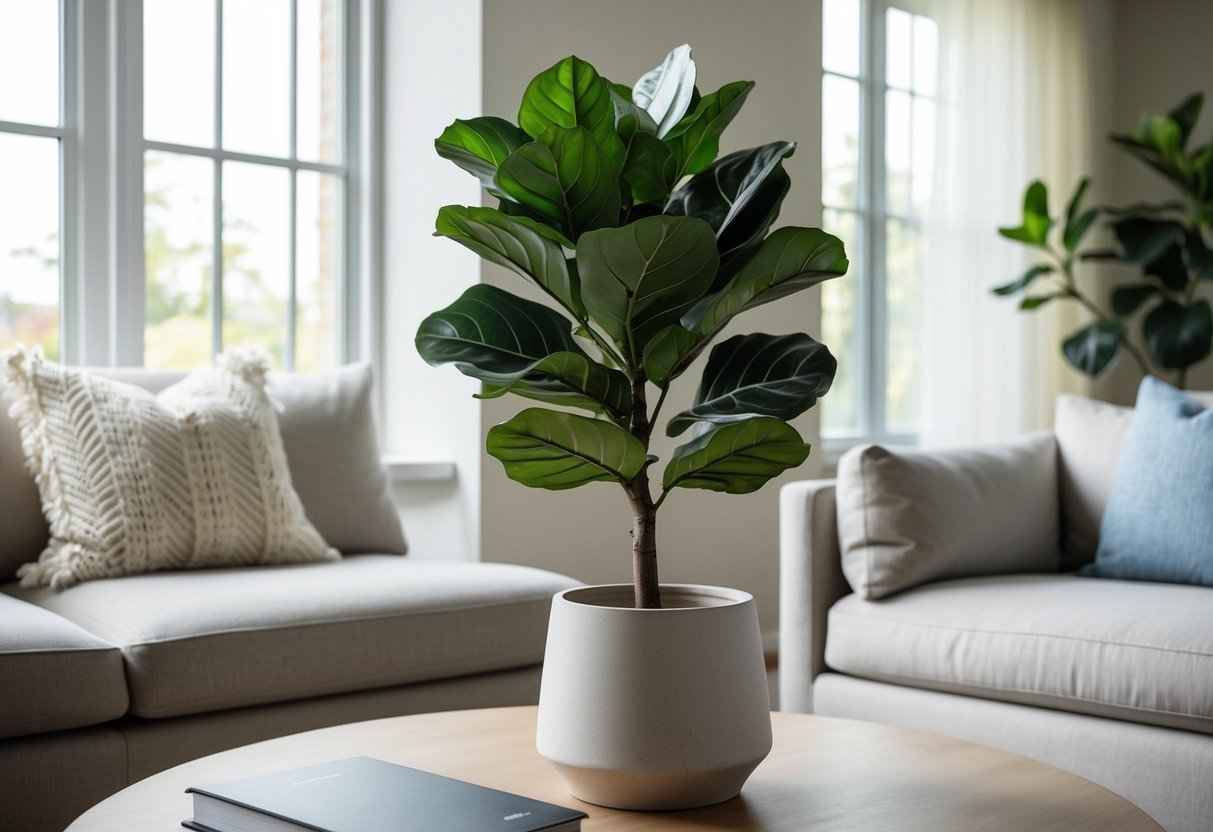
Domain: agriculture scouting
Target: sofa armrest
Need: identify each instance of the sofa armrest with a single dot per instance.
(810, 581)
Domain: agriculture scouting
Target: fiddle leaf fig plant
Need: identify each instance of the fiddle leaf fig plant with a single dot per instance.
(613, 204)
(1170, 243)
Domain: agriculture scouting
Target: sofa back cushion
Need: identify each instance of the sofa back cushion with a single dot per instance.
(328, 432)
(908, 517)
(1090, 436)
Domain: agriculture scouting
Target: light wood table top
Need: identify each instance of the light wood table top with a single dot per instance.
(823, 774)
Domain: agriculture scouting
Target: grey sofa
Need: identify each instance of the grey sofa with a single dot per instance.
(1110, 679)
(113, 680)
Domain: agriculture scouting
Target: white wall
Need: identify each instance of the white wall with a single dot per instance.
(703, 537)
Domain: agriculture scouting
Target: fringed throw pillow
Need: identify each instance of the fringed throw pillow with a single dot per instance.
(131, 482)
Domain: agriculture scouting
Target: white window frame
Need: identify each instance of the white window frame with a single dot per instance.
(102, 216)
(870, 356)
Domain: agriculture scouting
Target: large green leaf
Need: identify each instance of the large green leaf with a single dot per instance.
(649, 167)
(621, 97)
(1144, 239)
(1028, 278)
(720, 193)
(480, 145)
(1034, 229)
(696, 139)
(1128, 299)
(1092, 348)
(1197, 257)
(568, 378)
(759, 375)
(747, 231)
(665, 92)
(572, 94)
(489, 331)
(555, 450)
(1179, 336)
(669, 352)
(565, 178)
(642, 277)
(1169, 267)
(789, 260)
(736, 458)
(1078, 222)
(1186, 115)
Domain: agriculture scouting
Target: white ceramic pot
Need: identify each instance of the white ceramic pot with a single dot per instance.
(654, 709)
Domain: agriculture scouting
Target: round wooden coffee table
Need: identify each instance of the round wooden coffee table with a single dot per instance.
(823, 774)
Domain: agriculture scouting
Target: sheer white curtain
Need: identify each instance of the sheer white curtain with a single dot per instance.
(1015, 106)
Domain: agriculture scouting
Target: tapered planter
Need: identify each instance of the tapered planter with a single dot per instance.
(654, 709)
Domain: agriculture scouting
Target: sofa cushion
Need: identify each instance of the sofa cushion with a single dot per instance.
(225, 638)
(195, 476)
(1121, 649)
(1158, 524)
(908, 516)
(54, 675)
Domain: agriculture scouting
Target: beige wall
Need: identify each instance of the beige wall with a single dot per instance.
(703, 537)
(1159, 52)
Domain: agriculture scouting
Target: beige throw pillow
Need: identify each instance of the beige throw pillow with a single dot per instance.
(130, 482)
(908, 517)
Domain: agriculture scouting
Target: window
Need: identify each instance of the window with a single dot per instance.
(198, 161)
(878, 118)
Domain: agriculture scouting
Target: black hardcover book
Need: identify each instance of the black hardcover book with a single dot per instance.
(362, 794)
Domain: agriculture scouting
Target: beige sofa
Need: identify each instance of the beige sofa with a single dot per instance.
(113, 680)
(1110, 679)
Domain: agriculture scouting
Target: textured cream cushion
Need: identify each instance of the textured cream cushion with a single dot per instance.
(1123, 649)
(226, 638)
(54, 675)
(1090, 435)
(132, 482)
(907, 516)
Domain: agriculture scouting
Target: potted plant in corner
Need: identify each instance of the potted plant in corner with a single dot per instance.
(612, 202)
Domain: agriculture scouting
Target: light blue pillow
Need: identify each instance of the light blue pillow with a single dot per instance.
(1158, 524)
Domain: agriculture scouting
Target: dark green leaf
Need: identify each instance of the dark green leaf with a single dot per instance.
(669, 352)
(1034, 230)
(529, 248)
(696, 138)
(1072, 210)
(719, 193)
(1033, 302)
(1186, 115)
(1143, 209)
(736, 458)
(488, 331)
(572, 94)
(639, 279)
(746, 233)
(480, 145)
(1127, 299)
(649, 166)
(1197, 257)
(555, 450)
(565, 178)
(1169, 268)
(1092, 349)
(1023, 282)
(1179, 336)
(1075, 232)
(665, 92)
(567, 378)
(1143, 239)
(759, 375)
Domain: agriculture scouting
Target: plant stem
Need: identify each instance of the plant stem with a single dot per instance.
(1070, 286)
(644, 513)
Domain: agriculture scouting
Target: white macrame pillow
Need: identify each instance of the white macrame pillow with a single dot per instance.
(132, 482)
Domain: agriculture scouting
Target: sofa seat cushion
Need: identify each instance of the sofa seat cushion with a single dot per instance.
(225, 638)
(1121, 649)
(54, 675)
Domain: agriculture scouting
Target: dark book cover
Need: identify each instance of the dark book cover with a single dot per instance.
(361, 794)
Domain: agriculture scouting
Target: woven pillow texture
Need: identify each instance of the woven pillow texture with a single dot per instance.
(131, 482)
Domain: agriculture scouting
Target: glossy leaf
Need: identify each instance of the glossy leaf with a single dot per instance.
(720, 193)
(748, 230)
(1186, 115)
(1197, 257)
(1034, 302)
(759, 375)
(642, 277)
(489, 331)
(1029, 277)
(1034, 228)
(621, 97)
(556, 450)
(649, 167)
(1078, 222)
(480, 145)
(1144, 239)
(1092, 348)
(665, 92)
(568, 378)
(736, 458)
(565, 178)
(572, 94)
(523, 245)
(696, 139)
(1169, 267)
(669, 352)
(1128, 299)
(1179, 336)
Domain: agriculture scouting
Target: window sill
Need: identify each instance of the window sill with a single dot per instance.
(406, 470)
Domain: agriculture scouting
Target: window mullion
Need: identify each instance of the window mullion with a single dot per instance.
(217, 194)
(876, 360)
(126, 219)
(292, 291)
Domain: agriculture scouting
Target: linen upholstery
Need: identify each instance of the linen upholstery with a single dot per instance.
(227, 638)
(54, 675)
(1132, 651)
(131, 482)
(907, 516)
(1158, 523)
(83, 767)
